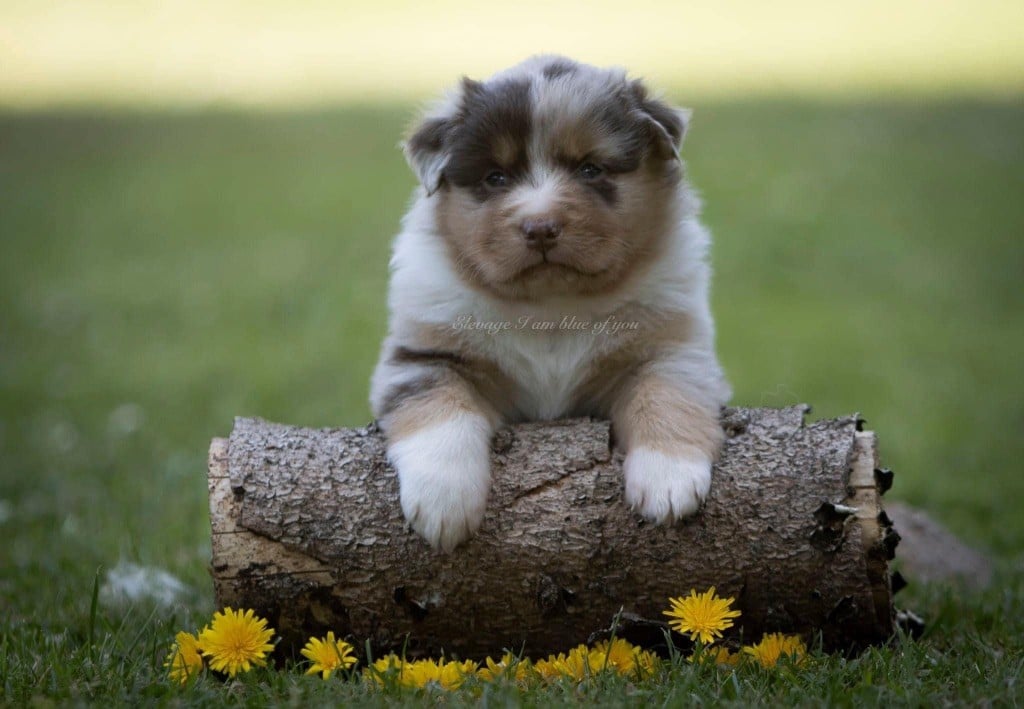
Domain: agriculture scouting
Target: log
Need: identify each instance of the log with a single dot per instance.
(307, 531)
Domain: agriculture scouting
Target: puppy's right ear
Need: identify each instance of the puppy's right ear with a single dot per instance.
(425, 151)
(427, 147)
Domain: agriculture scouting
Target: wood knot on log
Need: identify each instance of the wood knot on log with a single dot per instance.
(831, 521)
(883, 480)
(552, 597)
(416, 609)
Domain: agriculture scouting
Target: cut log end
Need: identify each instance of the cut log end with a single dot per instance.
(308, 532)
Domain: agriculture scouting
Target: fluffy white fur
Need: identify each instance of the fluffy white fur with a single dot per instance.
(444, 476)
(665, 487)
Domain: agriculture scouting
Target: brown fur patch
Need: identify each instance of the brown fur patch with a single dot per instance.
(607, 234)
(507, 151)
(447, 359)
(608, 134)
(608, 376)
(654, 412)
(443, 396)
(397, 394)
(487, 381)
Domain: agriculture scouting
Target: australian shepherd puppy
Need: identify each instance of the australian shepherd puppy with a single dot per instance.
(552, 264)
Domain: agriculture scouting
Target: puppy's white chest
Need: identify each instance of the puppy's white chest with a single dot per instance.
(547, 368)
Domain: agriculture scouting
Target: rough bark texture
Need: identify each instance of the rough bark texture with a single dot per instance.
(307, 530)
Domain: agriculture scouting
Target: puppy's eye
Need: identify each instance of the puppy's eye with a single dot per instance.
(496, 178)
(588, 171)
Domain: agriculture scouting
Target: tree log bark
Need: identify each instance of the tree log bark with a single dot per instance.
(307, 531)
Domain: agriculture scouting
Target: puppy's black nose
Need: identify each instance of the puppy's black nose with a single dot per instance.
(541, 233)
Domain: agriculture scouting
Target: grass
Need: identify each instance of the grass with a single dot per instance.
(161, 273)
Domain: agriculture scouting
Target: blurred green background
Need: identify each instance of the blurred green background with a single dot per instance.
(197, 202)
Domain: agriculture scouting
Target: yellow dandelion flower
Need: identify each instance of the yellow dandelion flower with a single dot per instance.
(623, 658)
(774, 646)
(716, 655)
(451, 675)
(327, 655)
(508, 667)
(702, 616)
(184, 661)
(235, 641)
(446, 675)
(647, 663)
(618, 655)
(550, 668)
(577, 663)
(573, 665)
(423, 672)
(389, 666)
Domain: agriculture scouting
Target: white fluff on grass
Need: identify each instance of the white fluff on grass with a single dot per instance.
(129, 583)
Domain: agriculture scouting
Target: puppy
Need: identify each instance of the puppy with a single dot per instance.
(552, 264)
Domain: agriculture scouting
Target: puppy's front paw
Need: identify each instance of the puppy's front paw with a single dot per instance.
(444, 475)
(664, 488)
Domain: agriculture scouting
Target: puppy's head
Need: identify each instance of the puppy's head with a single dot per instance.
(551, 178)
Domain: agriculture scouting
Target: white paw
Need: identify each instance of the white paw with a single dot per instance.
(664, 488)
(444, 475)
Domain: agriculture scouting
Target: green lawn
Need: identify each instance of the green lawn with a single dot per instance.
(162, 273)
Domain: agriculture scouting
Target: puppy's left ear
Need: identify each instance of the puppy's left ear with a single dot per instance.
(425, 151)
(666, 124)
